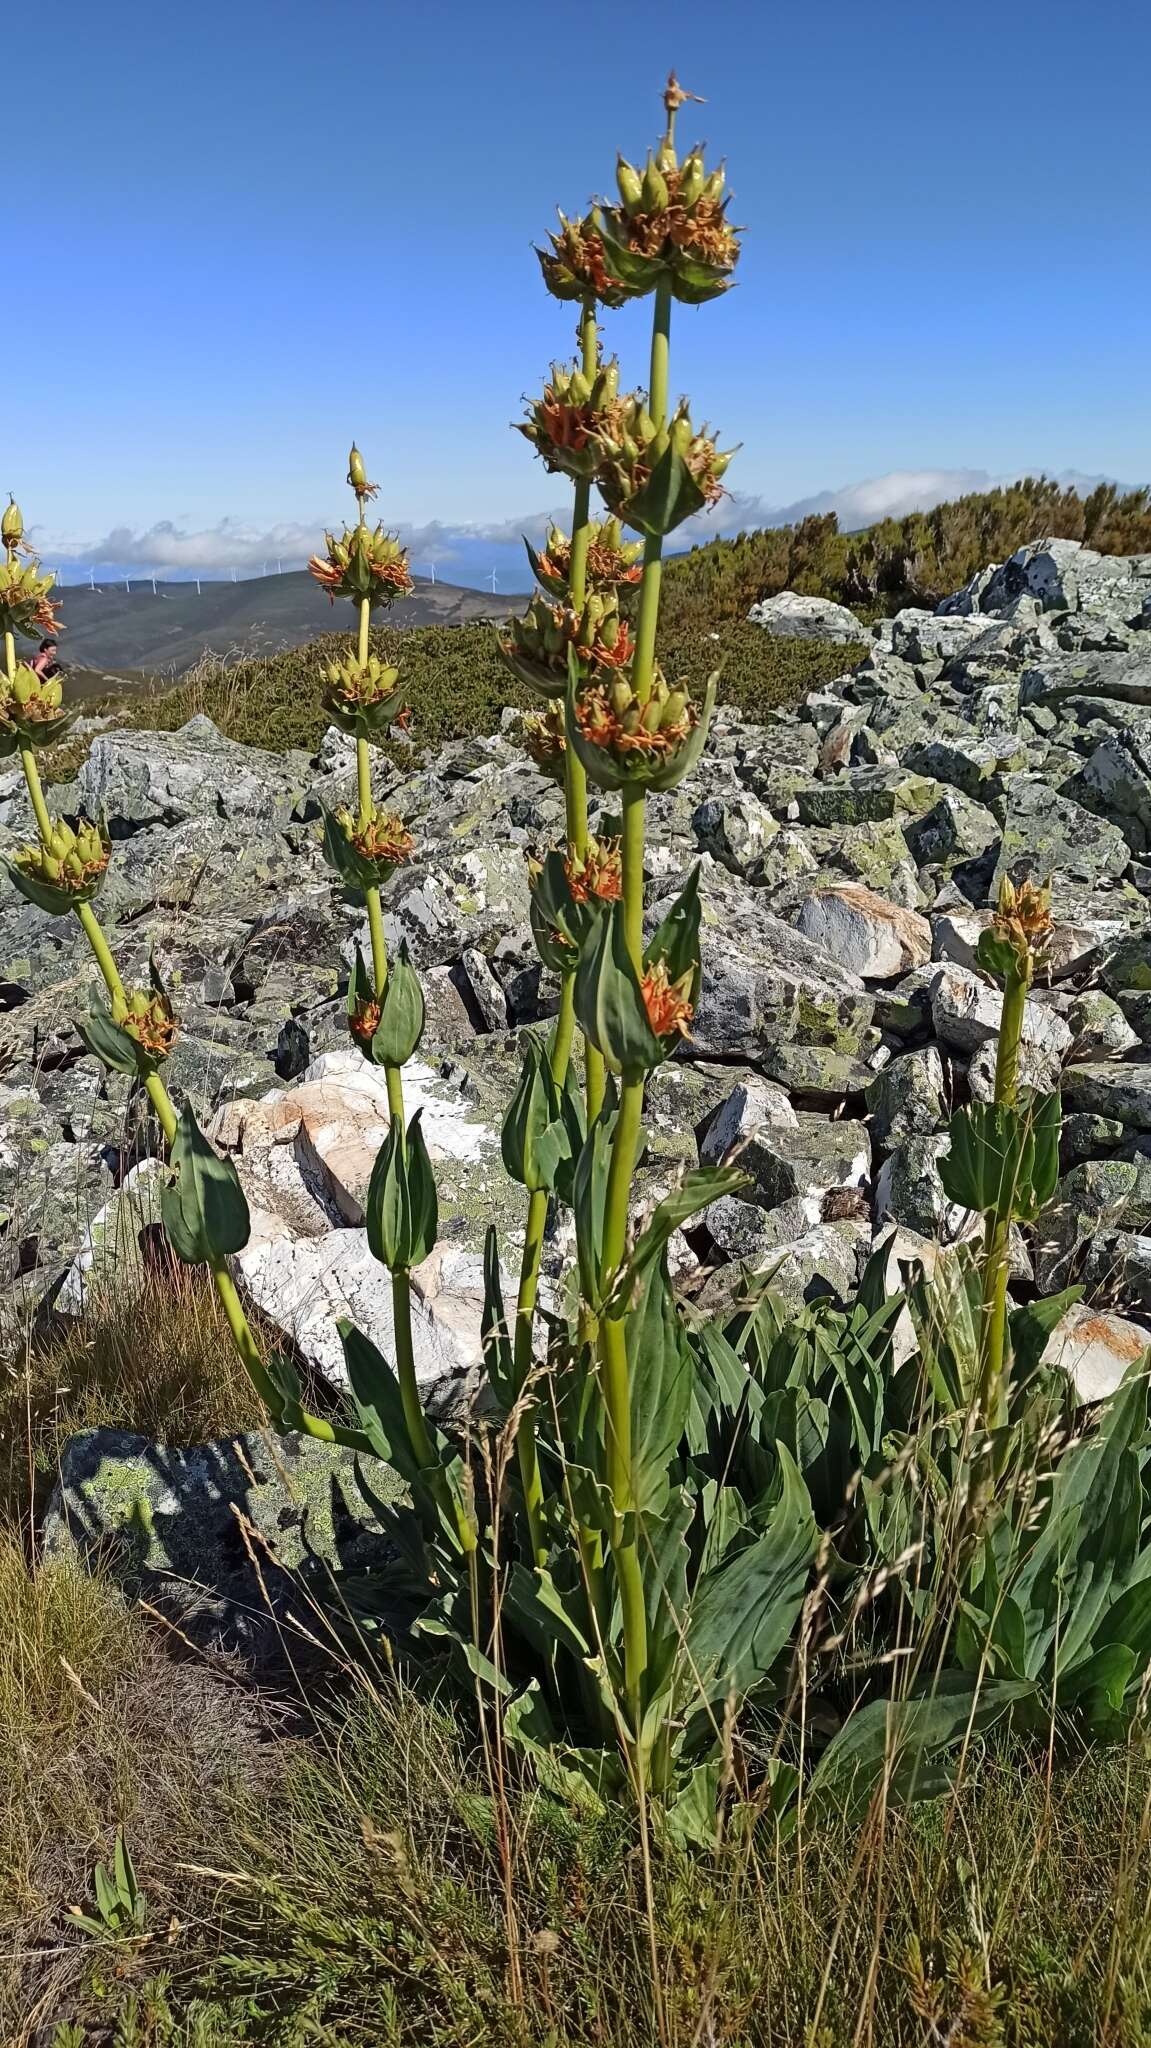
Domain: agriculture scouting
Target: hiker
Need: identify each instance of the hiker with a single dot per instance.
(44, 663)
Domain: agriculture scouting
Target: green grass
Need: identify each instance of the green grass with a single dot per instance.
(160, 1362)
(374, 1892)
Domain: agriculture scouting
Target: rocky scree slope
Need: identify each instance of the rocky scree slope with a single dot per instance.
(851, 850)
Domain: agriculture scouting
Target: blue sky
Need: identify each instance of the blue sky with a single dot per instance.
(268, 227)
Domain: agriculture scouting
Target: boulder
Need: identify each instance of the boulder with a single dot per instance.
(1094, 1350)
(907, 1100)
(1120, 1089)
(1046, 834)
(966, 1011)
(173, 1516)
(788, 1156)
(790, 616)
(875, 939)
(147, 778)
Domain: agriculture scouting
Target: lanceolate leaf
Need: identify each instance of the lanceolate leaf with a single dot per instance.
(1004, 1160)
(204, 1209)
(609, 1002)
(744, 1611)
(904, 1743)
(698, 1189)
(661, 1368)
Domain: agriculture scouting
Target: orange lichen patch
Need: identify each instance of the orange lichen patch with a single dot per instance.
(668, 1005)
(1124, 1343)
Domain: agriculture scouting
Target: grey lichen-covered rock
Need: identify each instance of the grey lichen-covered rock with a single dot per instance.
(978, 768)
(239, 1521)
(907, 1100)
(875, 939)
(736, 830)
(1121, 1090)
(794, 617)
(1100, 1030)
(967, 1010)
(142, 778)
(1046, 835)
(955, 829)
(817, 1072)
(908, 1190)
(866, 794)
(787, 1157)
(1093, 1203)
(1083, 1136)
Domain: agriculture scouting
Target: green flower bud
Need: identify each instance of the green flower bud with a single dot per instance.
(653, 192)
(630, 185)
(12, 524)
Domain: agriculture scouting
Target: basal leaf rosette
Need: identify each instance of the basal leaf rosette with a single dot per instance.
(65, 872)
(565, 425)
(540, 641)
(645, 738)
(611, 564)
(25, 606)
(574, 265)
(637, 1020)
(364, 852)
(671, 222)
(362, 700)
(653, 478)
(566, 890)
(135, 1032)
(365, 562)
(32, 711)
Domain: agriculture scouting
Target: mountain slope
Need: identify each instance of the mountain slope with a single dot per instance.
(129, 628)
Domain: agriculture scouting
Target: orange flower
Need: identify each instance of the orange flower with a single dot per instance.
(364, 1020)
(668, 1005)
(626, 733)
(598, 874)
(383, 838)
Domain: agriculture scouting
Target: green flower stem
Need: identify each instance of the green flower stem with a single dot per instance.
(35, 791)
(615, 1378)
(576, 820)
(997, 1229)
(522, 1339)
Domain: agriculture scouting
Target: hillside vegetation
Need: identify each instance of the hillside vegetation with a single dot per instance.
(458, 685)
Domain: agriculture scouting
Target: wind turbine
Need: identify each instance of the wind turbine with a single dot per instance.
(493, 582)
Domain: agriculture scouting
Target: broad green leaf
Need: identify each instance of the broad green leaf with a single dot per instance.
(608, 999)
(661, 1370)
(699, 1188)
(204, 1208)
(743, 1612)
(904, 1743)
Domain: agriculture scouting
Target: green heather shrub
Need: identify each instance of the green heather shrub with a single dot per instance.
(728, 1573)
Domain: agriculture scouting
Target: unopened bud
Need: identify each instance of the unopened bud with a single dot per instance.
(654, 188)
(630, 185)
(357, 474)
(12, 524)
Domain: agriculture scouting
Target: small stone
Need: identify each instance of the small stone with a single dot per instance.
(1083, 1136)
(1101, 1031)
(908, 1190)
(735, 830)
(817, 1072)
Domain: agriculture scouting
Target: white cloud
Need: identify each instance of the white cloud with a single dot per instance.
(170, 548)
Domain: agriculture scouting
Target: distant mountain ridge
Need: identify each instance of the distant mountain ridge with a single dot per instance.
(126, 627)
